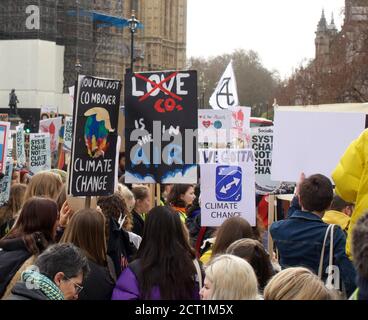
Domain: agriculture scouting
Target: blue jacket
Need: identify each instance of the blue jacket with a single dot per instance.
(299, 240)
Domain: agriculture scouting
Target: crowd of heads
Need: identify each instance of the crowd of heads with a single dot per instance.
(64, 242)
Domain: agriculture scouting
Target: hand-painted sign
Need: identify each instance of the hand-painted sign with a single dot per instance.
(39, 152)
(68, 133)
(161, 123)
(19, 146)
(5, 183)
(95, 125)
(4, 139)
(262, 144)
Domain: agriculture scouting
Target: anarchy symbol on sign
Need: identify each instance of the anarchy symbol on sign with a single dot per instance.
(224, 91)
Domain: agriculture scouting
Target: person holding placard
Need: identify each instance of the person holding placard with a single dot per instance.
(351, 180)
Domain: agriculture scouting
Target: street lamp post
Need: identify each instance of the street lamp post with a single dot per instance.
(133, 25)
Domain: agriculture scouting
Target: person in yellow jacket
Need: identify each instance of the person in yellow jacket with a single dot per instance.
(339, 213)
(351, 180)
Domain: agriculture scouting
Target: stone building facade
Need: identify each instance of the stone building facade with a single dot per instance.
(339, 72)
(103, 50)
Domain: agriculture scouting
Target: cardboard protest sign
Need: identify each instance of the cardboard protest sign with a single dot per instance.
(213, 127)
(95, 124)
(5, 183)
(262, 144)
(4, 139)
(227, 185)
(19, 146)
(161, 123)
(52, 126)
(311, 142)
(10, 146)
(48, 112)
(39, 152)
(68, 134)
(240, 127)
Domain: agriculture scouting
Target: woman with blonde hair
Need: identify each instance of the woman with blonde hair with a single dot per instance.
(229, 278)
(296, 284)
(129, 200)
(44, 184)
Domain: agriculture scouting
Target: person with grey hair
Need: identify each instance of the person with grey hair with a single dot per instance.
(58, 274)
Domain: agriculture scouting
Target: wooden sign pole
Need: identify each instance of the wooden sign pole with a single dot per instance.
(88, 203)
(271, 218)
(158, 194)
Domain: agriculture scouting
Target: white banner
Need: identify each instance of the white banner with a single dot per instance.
(39, 152)
(5, 183)
(262, 144)
(219, 128)
(52, 126)
(227, 186)
(19, 146)
(68, 133)
(311, 142)
(225, 95)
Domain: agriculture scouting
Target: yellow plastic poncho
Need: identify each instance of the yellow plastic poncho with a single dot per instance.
(351, 180)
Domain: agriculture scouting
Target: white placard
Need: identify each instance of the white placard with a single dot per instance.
(262, 144)
(68, 133)
(5, 183)
(52, 126)
(39, 152)
(227, 186)
(311, 142)
(213, 126)
(4, 140)
(19, 145)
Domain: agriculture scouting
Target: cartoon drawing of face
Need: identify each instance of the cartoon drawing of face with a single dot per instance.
(96, 131)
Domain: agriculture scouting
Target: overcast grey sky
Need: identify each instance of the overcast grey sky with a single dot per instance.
(281, 31)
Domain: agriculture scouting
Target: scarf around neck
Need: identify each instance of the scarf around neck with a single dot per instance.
(36, 280)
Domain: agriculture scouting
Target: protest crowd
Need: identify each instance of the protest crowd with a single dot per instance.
(140, 242)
